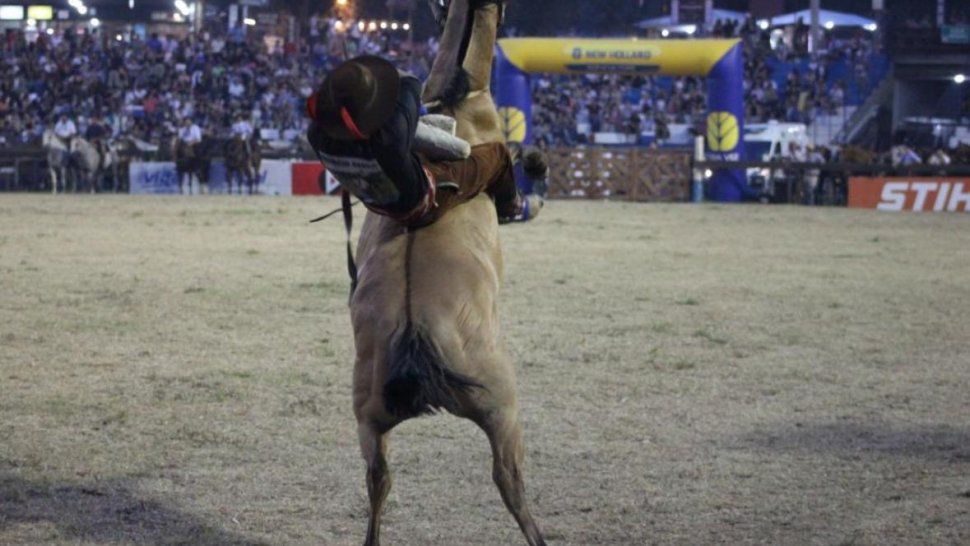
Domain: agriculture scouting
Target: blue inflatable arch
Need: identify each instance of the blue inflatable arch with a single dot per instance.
(720, 61)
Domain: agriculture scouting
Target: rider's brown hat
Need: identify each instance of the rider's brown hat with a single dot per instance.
(356, 99)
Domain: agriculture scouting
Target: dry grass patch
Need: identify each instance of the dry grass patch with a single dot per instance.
(176, 371)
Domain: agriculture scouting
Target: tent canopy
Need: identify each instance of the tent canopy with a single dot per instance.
(827, 18)
(668, 21)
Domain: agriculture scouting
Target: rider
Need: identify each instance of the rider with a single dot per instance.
(65, 130)
(96, 134)
(365, 116)
(242, 130)
(189, 133)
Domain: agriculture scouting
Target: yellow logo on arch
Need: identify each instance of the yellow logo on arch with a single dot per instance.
(514, 124)
(723, 132)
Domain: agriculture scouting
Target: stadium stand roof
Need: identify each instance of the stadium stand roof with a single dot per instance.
(117, 10)
(668, 21)
(836, 18)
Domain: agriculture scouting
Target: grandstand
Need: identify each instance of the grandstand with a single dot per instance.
(873, 81)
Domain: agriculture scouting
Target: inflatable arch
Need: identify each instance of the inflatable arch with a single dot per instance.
(720, 61)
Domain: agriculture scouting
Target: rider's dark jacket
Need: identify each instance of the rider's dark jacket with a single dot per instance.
(382, 171)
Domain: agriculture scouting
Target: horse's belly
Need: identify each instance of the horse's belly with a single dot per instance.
(454, 269)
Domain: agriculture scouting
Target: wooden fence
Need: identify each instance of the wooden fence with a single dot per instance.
(628, 174)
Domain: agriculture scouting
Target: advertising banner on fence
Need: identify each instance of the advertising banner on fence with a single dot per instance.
(153, 178)
(160, 178)
(927, 194)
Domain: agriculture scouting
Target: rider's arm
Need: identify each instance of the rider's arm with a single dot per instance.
(392, 146)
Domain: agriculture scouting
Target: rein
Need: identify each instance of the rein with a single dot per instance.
(347, 207)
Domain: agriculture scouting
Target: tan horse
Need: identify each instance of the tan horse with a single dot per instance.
(425, 314)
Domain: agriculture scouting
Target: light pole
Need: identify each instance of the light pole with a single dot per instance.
(199, 15)
(816, 31)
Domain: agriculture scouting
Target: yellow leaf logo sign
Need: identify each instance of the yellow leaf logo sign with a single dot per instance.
(513, 124)
(722, 132)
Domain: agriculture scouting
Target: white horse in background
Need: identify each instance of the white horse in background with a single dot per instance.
(92, 164)
(58, 159)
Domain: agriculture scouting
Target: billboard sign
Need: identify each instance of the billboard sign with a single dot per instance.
(160, 178)
(11, 13)
(40, 13)
(941, 194)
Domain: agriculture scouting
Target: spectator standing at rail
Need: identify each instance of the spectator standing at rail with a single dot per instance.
(812, 175)
(939, 159)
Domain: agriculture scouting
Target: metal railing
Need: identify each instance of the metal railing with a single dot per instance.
(869, 109)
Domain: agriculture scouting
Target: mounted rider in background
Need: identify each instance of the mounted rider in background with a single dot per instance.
(243, 130)
(97, 134)
(189, 133)
(65, 130)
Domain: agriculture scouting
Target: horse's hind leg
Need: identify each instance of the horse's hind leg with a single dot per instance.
(373, 446)
(505, 434)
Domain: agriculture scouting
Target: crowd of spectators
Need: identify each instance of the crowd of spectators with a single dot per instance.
(144, 88)
(570, 109)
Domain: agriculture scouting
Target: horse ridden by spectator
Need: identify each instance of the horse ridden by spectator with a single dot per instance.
(239, 158)
(91, 164)
(58, 160)
(190, 160)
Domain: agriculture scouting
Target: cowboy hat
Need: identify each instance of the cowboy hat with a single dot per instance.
(356, 99)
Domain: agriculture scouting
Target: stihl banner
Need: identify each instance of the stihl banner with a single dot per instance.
(919, 194)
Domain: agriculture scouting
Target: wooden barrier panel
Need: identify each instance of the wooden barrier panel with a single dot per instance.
(628, 174)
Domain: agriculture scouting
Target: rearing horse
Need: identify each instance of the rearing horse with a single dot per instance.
(425, 309)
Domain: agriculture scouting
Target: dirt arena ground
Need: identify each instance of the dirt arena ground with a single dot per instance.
(176, 371)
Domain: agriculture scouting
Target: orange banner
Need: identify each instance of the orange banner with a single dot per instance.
(927, 194)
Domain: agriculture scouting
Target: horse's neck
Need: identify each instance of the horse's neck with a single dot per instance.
(53, 142)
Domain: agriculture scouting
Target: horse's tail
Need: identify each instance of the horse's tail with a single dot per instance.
(418, 382)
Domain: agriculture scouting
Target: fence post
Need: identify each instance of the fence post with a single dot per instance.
(697, 188)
